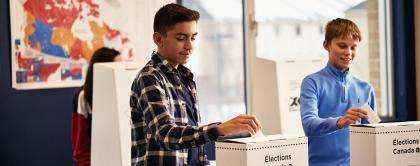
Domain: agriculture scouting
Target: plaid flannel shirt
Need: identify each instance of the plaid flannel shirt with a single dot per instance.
(160, 134)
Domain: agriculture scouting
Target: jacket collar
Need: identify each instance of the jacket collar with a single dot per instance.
(166, 67)
(342, 76)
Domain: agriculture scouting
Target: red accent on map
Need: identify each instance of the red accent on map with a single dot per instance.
(75, 71)
(24, 62)
(47, 69)
(76, 51)
(93, 8)
(111, 32)
(53, 13)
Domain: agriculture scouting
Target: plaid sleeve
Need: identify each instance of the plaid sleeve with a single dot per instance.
(156, 111)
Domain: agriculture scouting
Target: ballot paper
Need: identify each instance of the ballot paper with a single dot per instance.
(259, 137)
(372, 115)
(259, 134)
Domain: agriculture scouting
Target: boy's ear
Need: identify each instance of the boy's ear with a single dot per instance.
(158, 39)
(326, 46)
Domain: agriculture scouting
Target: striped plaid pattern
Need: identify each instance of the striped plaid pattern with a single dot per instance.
(160, 134)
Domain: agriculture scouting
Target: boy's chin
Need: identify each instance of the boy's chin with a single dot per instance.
(184, 62)
(346, 67)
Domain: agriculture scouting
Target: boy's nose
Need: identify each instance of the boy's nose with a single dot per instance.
(347, 51)
(188, 45)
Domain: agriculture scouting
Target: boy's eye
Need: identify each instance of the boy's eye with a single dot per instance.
(181, 37)
(342, 46)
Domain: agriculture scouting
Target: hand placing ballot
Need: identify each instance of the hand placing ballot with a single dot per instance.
(372, 116)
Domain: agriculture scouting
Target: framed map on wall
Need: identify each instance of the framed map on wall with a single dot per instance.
(53, 40)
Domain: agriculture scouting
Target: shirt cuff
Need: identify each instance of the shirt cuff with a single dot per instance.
(212, 133)
(333, 123)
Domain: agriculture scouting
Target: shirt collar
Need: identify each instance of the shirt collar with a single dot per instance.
(166, 67)
(337, 73)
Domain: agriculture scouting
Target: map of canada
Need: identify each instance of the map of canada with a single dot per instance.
(58, 37)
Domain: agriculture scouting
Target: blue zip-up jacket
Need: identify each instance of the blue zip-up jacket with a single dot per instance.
(325, 97)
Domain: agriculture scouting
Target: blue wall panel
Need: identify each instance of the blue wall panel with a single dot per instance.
(404, 59)
(34, 124)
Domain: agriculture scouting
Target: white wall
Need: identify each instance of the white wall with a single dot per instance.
(146, 13)
(361, 63)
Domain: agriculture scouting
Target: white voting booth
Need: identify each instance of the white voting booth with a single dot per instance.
(111, 128)
(275, 91)
(274, 98)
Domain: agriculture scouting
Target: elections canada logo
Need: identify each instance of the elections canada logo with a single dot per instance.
(294, 103)
(403, 146)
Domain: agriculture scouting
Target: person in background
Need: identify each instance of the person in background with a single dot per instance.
(331, 98)
(82, 108)
(163, 101)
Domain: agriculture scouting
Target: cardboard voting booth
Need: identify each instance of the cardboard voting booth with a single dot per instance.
(385, 144)
(111, 116)
(279, 150)
(274, 92)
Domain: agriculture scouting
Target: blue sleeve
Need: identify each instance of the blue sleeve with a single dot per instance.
(312, 124)
(372, 101)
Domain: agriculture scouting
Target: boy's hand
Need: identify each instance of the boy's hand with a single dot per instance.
(240, 124)
(352, 115)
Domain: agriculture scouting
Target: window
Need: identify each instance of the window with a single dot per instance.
(289, 32)
(303, 24)
(218, 59)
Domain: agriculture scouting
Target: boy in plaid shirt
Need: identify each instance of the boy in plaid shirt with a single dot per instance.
(163, 101)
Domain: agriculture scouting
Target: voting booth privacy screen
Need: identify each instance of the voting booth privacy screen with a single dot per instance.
(275, 90)
(111, 117)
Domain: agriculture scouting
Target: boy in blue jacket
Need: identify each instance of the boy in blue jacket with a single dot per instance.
(331, 98)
